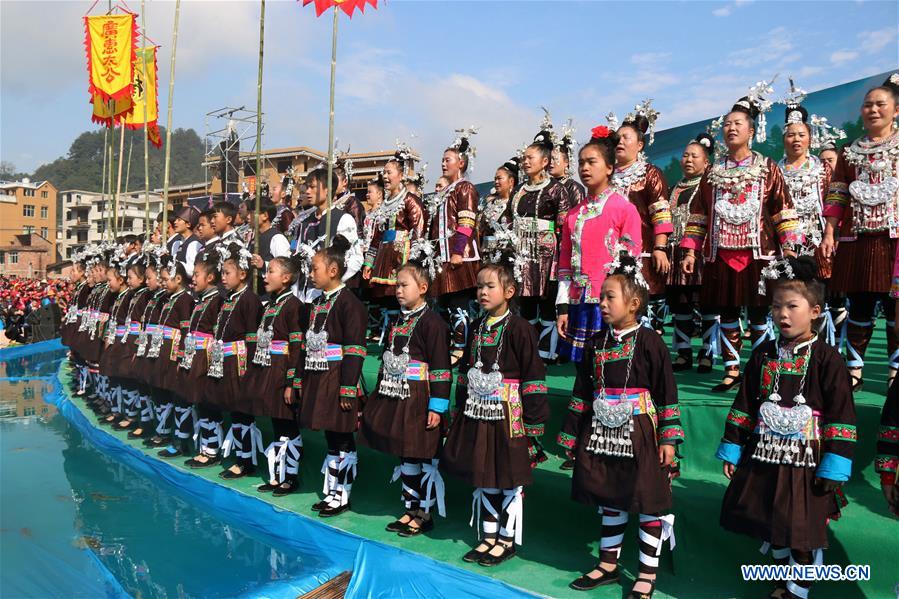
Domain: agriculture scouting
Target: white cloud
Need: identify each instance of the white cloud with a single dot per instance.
(775, 48)
(809, 71)
(875, 41)
(842, 56)
(727, 10)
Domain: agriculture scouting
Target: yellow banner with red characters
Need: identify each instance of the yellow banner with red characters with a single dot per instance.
(110, 42)
(145, 85)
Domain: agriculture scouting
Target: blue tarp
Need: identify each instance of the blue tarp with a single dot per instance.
(378, 570)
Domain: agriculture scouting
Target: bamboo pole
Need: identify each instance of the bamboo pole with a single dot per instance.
(128, 166)
(258, 135)
(168, 128)
(109, 193)
(143, 27)
(331, 127)
(103, 181)
(118, 187)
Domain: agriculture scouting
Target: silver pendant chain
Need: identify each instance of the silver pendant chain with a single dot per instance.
(216, 367)
(394, 382)
(613, 424)
(317, 341)
(484, 403)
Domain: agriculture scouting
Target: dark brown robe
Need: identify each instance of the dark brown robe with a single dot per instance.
(398, 426)
(495, 453)
(779, 503)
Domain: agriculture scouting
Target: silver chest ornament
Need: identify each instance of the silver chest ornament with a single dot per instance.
(484, 397)
(110, 332)
(393, 378)
(190, 349)
(317, 350)
(156, 342)
(143, 339)
(612, 424)
(484, 401)
(783, 439)
(124, 338)
(263, 354)
(874, 194)
(216, 360)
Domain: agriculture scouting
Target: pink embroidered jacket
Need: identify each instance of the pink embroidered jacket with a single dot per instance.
(590, 229)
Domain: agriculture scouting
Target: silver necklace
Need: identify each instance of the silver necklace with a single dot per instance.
(317, 341)
(484, 400)
(216, 367)
(143, 338)
(394, 382)
(624, 179)
(613, 423)
(159, 331)
(264, 335)
(783, 431)
(190, 346)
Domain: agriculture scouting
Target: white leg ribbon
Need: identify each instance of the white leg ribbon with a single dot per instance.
(479, 500)
(163, 412)
(274, 454)
(330, 463)
(435, 489)
(513, 506)
(293, 454)
(233, 440)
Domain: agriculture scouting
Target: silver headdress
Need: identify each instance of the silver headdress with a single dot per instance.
(418, 178)
(568, 144)
(503, 249)
(462, 144)
(625, 259)
(651, 115)
(758, 99)
(823, 133)
(241, 255)
(424, 252)
(612, 121)
(776, 269)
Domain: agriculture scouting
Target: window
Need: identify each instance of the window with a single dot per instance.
(128, 225)
(82, 236)
(101, 226)
(45, 212)
(45, 233)
(28, 210)
(28, 229)
(14, 257)
(28, 193)
(2, 257)
(45, 194)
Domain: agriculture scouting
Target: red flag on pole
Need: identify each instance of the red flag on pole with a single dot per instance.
(347, 6)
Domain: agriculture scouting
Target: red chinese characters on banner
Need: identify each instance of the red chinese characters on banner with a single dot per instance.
(110, 43)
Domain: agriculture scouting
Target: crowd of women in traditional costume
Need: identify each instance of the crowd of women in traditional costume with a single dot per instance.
(190, 343)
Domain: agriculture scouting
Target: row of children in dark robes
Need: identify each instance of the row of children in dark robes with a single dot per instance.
(180, 359)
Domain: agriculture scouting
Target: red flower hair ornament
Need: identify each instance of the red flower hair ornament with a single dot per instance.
(600, 132)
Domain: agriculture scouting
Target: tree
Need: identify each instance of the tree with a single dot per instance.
(8, 171)
(82, 167)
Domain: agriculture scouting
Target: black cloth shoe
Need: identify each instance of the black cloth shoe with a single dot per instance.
(567, 464)
(724, 387)
(585, 583)
(423, 527)
(288, 487)
(170, 452)
(330, 512)
(652, 589)
(195, 464)
(320, 505)
(397, 526)
(488, 561)
(474, 555)
(244, 471)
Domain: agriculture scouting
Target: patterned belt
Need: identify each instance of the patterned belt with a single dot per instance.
(334, 352)
(120, 330)
(417, 371)
(152, 328)
(170, 332)
(279, 348)
(201, 340)
(134, 328)
(234, 348)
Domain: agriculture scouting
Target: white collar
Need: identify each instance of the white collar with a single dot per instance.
(619, 335)
(330, 294)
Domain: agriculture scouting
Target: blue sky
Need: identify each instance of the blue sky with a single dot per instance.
(427, 67)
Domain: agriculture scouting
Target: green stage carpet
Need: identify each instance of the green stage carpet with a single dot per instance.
(560, 536)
